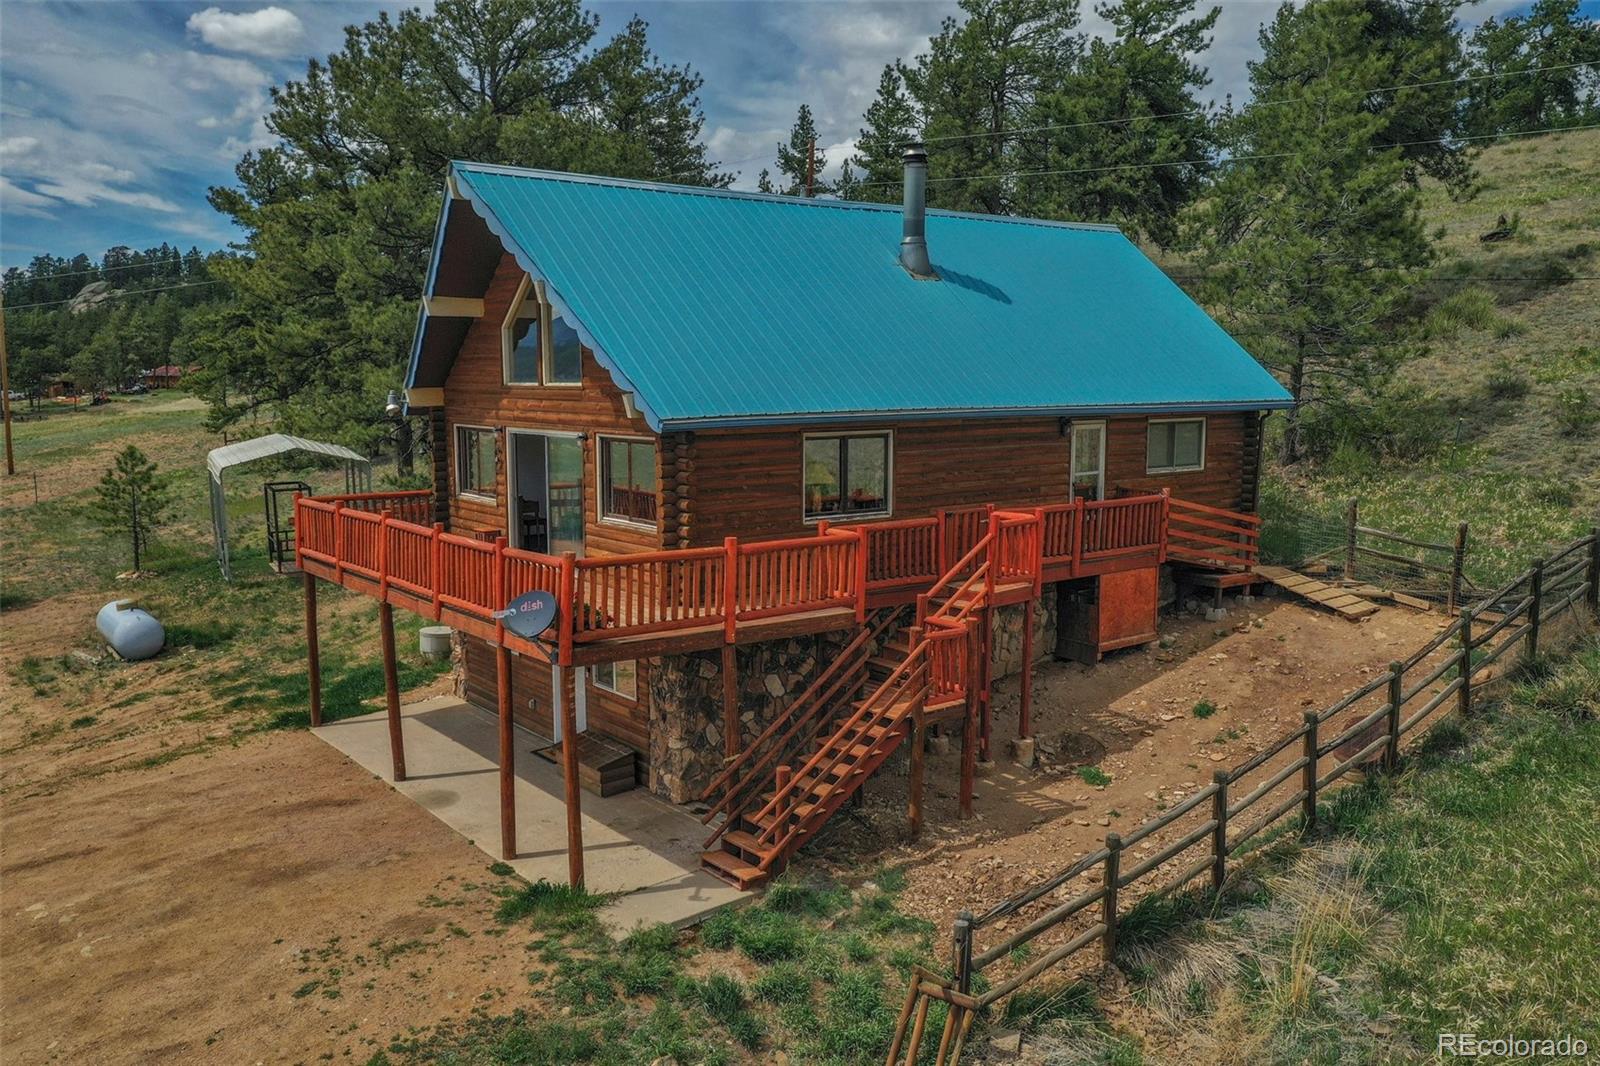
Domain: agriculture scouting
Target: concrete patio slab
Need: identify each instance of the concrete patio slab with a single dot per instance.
(634, 843)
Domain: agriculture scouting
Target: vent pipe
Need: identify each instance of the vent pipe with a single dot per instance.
(914, 242)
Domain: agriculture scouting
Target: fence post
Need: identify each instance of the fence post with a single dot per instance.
(1535, 607)
(1594, 572)
(435, 575)
(1458, 560)
(1308, 775)
(963, 952)
(1397, 692)
(1464, 693)
(384, 517)
(1219, 835)
(1350, 515)
(1108, 901)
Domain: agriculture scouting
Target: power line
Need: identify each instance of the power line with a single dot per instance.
(31, 276)
(115, 295)
(1228, 160)
(1263, 103)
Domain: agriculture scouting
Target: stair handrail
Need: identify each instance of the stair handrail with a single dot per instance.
(940, 617)
(843, 671)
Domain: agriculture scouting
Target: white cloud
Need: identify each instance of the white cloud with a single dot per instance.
(15, 200)
(270, 31)
(17, 148)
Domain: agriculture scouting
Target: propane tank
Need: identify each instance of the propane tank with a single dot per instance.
(132, 633)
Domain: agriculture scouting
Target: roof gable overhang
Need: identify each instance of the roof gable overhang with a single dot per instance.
(468, 243)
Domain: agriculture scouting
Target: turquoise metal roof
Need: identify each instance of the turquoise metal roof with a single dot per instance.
(717, 307)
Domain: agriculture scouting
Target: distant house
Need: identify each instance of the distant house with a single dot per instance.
(165, 377)
(60, 385)
(801, 417)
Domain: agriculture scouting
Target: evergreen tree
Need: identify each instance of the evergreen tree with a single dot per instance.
(1315, 236)
(795, 163)
(1525, 72)
(339, 216)
(1124, 137)
(133, 501)
(891, 122)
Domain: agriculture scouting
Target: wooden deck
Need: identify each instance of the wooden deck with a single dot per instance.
(645, 604)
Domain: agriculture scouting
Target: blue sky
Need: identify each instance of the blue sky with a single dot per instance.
(115, 117)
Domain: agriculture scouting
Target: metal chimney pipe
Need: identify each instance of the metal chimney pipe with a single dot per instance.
(914, 242)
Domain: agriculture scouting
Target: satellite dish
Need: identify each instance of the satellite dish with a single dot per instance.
(530, 614)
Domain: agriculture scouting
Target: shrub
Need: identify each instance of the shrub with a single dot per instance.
(783, 983)
(1204, 709)
(1094, 775)
(1506, 382)
(1471, 307)
(1574, 411)
(768, 936)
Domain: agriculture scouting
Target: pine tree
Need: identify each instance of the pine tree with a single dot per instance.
(1314, 238)
(795, 162)
(1124, 138)
(1525, 71)
(877, 167)
(133, 500)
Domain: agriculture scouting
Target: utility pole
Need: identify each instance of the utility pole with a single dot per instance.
(5, 389)
(811, 167)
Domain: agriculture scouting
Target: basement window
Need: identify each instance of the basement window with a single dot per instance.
(1174, 445)
(846, 476)
(475, 461)
(628, 480)
(620, 679)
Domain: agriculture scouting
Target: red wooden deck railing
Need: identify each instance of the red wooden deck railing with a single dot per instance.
(370, 542)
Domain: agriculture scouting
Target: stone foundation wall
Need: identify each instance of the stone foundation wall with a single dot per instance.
(1006, 648)
(686, 744)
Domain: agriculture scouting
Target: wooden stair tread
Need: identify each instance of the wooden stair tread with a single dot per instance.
(744, 841)
(732, 868)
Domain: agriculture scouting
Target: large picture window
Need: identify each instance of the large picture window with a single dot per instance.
(628, 479)
(846, 476)
(475, 461)
(1176, 444)
(539, 346)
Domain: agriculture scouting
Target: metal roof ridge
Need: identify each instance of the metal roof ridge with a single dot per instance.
(642, 185)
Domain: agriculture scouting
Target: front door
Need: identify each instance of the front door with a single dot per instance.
(547, 498)
(1088, 473)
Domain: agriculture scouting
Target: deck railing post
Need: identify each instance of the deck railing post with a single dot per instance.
(338, 541)
(500, 588)
(730, 589)
(566, 598)
(1594, 573)
(1077, 534)
(1458, 562)
(1108, 898)
(962, 952)
(1535, 607)
(1308, 775)
(1397, 696)
(1219, 832)
(1464, 693)
(861, 575)
(1166, 523)
(1038, 552)
(385, 516)
(1351, 514)
(435, 568)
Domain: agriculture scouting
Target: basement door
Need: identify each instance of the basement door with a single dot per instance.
(546, 501)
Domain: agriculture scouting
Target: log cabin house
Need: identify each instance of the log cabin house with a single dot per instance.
(803, 476)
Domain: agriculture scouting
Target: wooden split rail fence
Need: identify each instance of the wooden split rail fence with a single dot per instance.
(1210, 827)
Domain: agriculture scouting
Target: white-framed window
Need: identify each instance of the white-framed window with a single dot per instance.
(538, 346)
(475, 461)
(628, 480)
(619, 679)
(846, 475)
(1175, 445)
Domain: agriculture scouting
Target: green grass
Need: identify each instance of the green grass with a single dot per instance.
(1203, 709)
(1093, 775)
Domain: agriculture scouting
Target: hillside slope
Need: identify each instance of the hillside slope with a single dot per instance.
(1505, 420)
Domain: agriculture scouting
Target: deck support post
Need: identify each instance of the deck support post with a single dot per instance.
(508, 755)
(969, 725)
(1025, 699)
(731, 739)
(985, 670)
(569, 774)
(391, 688)
(313, 654)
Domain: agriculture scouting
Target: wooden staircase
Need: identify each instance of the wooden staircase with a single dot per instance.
(868, 700)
